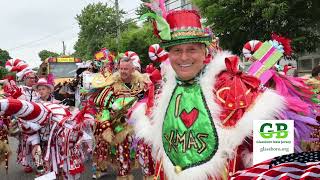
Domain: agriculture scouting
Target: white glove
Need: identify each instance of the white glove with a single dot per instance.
(33, 126)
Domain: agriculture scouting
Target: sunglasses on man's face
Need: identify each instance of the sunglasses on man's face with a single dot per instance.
(31, 77)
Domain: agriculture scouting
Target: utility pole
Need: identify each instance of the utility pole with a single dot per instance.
(63, 48)
(116, 3)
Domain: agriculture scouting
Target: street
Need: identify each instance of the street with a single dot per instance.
(15, 171)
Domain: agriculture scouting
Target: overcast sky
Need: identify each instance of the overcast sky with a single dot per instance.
(29, 26)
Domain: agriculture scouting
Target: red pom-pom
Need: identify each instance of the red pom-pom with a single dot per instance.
(285, 43)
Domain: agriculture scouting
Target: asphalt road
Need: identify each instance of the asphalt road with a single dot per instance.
(16, 171)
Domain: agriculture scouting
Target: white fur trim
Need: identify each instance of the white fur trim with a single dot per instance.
(247, 158)
(142, 125)
(4, 106)
(33, 126)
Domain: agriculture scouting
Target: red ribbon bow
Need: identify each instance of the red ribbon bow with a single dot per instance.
(235, 91)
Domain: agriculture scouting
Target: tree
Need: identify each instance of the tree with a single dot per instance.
(137, 39)
(44, 54)
(4, 56)
(97, 23)
(3, 72)
(237, 21)
(142, 9)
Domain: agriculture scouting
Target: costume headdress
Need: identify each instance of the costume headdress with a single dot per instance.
(178, 26)
(134, 58)
(45, 82)
(21, 68)
(104, 55)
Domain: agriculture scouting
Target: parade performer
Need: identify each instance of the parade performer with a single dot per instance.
(205, 110)
(23, 73)
(29, 140)
(45, 88)
(63, 154)
(113, 131)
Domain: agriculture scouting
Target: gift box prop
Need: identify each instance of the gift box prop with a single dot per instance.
(265, 56)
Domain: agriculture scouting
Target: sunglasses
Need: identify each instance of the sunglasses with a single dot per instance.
(35, 78)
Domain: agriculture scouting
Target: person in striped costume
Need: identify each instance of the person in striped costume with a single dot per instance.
(63, 154)
(29, 139)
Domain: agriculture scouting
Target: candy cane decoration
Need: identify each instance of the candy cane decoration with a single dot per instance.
(156, 53)
(37, 112)
(15, 65)
(134, 57)
(19, 66)
(32, 112)
(250, 47)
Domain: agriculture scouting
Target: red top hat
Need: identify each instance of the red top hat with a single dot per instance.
(178, 26)
(185, 27)
(184, 18)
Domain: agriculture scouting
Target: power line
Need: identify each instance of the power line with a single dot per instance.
(130, 13)
(133, 9)
(171, 2)
(133, 20)
(182, 6)
(137, 19)
(40, 39)
(112, 2)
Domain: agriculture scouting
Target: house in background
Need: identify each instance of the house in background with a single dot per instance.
(178, 4)
(307, 62)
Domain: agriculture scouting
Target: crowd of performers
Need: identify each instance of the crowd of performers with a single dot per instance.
(189, 118)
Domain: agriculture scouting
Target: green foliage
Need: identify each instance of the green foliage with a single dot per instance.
(137, 39)
(98, 29)
(142, 8)
(44, 54)
(97, 22)
(4, 56)
(237, 21)
(3, 72)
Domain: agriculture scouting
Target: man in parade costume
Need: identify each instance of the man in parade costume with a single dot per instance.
(29, 148)
(113, 132)
(204, 112)
(27, 75)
